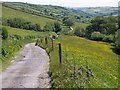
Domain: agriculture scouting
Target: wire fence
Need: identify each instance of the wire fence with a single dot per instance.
(72, 72)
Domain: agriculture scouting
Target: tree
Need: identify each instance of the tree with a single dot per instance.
(104, 25)
(49, 27)
(38, 28)
(4, 33)
(117, 39)
(68, 21)
(79, 32)
(119, 20)
(57, 27)
(20, 23)
(97, 24)
(97, 36)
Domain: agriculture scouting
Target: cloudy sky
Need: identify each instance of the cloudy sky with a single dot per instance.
(72, 3)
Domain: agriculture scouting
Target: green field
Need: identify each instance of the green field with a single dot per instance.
(22, 32)
(101, 60)
(81, 25)
(76, 51)
(11, 13)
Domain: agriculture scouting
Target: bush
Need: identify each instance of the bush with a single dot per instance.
(117, 39)
(108, 38)
(20, 23)
(79, 32)
(68, 21)
(17, 37)
(49, 27)
(4, 33)
(4, 52)
(97, 36)
(57, 27)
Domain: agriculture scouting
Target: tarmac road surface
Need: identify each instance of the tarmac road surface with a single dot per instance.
(30, 69)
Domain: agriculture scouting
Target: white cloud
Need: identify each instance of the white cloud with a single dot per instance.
(73, 3)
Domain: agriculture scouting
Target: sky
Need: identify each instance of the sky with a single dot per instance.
(72, 3)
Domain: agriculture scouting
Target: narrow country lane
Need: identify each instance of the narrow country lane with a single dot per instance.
(30, 70)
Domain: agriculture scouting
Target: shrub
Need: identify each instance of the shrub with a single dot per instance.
(117, 39)
(68, 21)
(97, 36)
(79, 32)
(49, 27)
(4, 33)
(57, 27)
(108, 38)
(4, 52)
(17, 37)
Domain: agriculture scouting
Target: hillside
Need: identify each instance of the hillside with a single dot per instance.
(41, 20)
(79, 52)
(81, 14)
(82, 54)
(11, 13)
(23, 32)
(99, 11)
(49, 11)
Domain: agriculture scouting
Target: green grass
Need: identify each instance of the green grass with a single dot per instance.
(22, 32)
(101, 60)
(11, 13)
(11, 46)
(81, 25)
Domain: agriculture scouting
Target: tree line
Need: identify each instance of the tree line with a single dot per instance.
(22, 24)
(101, 28)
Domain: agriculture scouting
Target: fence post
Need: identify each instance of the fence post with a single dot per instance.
(60, 53)
(36, 42)
(41, 40)
(46, 41)
(52, 44)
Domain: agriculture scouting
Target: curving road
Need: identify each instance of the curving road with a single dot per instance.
(29, 70)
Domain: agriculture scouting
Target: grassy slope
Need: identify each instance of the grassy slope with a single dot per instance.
(101, 11)
(101, 59)
(56, 11)
(81, 25)
(10, 13)
(21, 32)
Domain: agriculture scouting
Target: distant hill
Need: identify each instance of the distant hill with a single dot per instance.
(99, 11)
(35, 19)
(83, 15)
(49, 11)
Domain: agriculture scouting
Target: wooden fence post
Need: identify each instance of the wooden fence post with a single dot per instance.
(36, 42)
(60, 53)
(46, 41)
(41, 40)
(52, 44)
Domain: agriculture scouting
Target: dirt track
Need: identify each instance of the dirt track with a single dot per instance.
(29, 70)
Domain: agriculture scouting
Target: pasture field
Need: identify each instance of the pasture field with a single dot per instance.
(96, 58)
(11, 13)
(81, 25)
(99, 56)
(23, 32)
